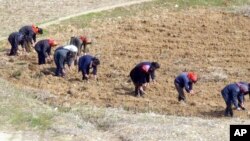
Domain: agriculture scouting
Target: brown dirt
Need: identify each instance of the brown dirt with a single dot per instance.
(212, 43)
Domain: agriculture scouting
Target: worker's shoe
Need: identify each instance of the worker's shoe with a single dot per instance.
(228, 113)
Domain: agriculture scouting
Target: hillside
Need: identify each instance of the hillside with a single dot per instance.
(213, 43)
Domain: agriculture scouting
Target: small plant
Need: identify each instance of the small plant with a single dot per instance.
(37, 75)
(2, 49)
(21, 63)
(16, 74)
(42, 121)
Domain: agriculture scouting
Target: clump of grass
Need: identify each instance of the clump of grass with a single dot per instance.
(64, 109)
(37, 75)
(16, 74)
(21, 118)
(2, 49)
(42, 121)
(21, 63)
(92, 115)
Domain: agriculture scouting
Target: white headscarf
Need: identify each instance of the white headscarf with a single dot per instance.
(71, 48)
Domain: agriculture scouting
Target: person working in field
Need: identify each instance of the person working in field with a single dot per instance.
(142, 74)
(87, 62)
(64, 55)
(15, 39)
(30, 33)
(81, 43)
(185, 80)
(43, 49)
(234, 93)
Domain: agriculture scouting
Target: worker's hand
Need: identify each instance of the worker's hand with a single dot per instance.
(48, 60)
(144, 86)
(142, 89)
(24, 50)
(70, 67)
(87, 76)
(95, 77)
(242, 106)
(191, 92)
(153, 82)
(49, 57)
(63, 72)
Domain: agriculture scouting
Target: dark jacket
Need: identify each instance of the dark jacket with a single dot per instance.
(78, 43)
(28, 32)
(85, 64)
(141, 73)
(62, 57)
(43, 47)
(232, 93)
(183, 81)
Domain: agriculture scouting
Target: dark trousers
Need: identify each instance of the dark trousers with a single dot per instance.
(181, 95)
(13, 50)
(83, 75)
(41, 58)
(59, 71)
(228, 110)
(138, 92)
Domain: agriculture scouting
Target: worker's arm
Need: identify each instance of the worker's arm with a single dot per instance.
(61, 62)
(152, 75)
(44, 50)
(34, 37)
(95, 71)
(188, 85)
(235, 100)
(241, 101)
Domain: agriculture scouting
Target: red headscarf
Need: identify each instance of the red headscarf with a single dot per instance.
(35, 28)
(52, 42)
(85, 39)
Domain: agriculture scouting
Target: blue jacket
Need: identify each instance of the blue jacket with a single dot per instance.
(141, 73)
(61, 57)
(85, 64)
(232, 93)
(183, 81)
(28, 32)
(15, 39)
(43, 47)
